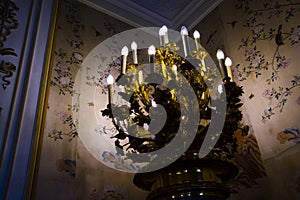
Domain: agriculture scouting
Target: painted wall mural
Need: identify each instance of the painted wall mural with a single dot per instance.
(262, 39)
(289, 134)
(281, 35)
(65, 163)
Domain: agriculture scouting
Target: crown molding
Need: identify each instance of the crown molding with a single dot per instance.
(139, 16)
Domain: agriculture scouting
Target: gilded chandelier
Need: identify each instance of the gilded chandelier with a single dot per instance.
(137, 132)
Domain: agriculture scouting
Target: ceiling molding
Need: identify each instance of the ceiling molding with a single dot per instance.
(141, 16)
(194, 12)
(185, 14)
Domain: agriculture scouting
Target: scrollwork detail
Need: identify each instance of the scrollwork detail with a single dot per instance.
(7, 23)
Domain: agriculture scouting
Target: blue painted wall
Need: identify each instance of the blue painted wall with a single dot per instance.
(19, 101)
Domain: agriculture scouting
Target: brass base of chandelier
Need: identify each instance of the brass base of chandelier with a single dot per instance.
(205, 190)
(189, 179)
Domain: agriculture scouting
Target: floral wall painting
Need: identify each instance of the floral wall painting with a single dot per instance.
(289, 134)
(67, 170)
(263, 40)
(278, 36)
(67, 166)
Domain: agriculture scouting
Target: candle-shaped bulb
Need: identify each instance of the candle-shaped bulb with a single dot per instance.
(184, 31)
(165, 31)
(161, 32)
(151, 50)
(228, 62)
(184, 36)
(174, 68)
(124, 51)
(110, 80)
(133, 45)
(197, 38)
(220, 54)
(196, 35)
(134, 52)
(153, 103)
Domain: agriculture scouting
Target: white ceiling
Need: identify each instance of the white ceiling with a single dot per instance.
(155, 13)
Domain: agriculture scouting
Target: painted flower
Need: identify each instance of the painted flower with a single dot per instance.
(285, 63)
(61, 66)
(296, 35)
(298, 100)
(78, 56)
(267, 94)
(62, 116)
(64, 80)
(53, 132)
(249, 53)
(66, 165)
(118, 162)
(289, 134)
(256, 62)
(258, 28)
(109, 157)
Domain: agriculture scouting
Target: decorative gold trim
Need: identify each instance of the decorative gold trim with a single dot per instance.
(42, 108)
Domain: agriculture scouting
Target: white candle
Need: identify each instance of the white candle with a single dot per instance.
(197, 39)
(140, 77)
(161, 37)
(151, 53)
(124, 53)
(110, 81)
(184, 35)
(165, 30)
(153, 103)
(220, 56)
(134, 52)
(228, 64)
(174, 69)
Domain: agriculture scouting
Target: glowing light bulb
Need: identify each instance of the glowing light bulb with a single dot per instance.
(133, 45)
(196, 34)
(134, 52)
(228, 62)
(220, 54)
(174, 67)
(124, 51)
(110, 80)
(184, 31)
(153, 103)
(151, 50)
(161, 32)
(164, 29)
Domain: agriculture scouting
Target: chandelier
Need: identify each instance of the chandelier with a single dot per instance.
(179, 96)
